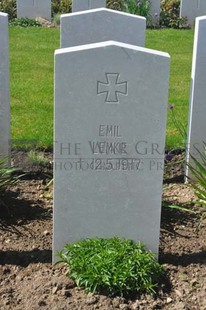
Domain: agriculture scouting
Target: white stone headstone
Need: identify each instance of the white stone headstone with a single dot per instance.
(197, 112)
(4, 88)
(110, 122)
(33, 9)
(192, 9)
(82, 5)
(155, 10)
(101, 25)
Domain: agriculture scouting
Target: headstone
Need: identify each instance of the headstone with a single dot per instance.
(4, 88)
(33, 9)
(155, 10)
(192, 9)
(197, 124)
(110, 122)
(82, 5)
(100, 25)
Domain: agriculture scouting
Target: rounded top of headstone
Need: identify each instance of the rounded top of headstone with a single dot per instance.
(102, 10)
(3, 14)
(110, 44)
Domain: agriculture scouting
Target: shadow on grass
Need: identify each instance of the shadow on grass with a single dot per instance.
(24, 258)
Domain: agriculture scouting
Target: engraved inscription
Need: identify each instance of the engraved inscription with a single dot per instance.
(112, 131)
(116, 148)
(112, 88)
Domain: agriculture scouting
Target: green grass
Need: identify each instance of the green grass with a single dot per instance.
(179, 45)
(31, 73)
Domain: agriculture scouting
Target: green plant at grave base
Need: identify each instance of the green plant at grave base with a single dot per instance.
(170, 15)
(168, 204)
(56, 19)
(8, 6)
(38, 158)
(198, 170)
(24, 22)
(6, 175)
(112, 266)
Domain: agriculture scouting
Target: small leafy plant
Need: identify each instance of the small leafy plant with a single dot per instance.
(61, 6)
(137, 7)
(198, 170)
(6, 175)
(170, 15)
(112, 266)
(38, 158)
(24, 22)
(179, 126)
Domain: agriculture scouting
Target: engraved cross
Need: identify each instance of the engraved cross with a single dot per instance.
(198, 4)
(112, 88)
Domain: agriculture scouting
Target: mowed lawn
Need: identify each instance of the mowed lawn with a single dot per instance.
(32, 76)
(32, 80)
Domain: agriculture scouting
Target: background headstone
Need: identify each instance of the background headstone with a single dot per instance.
(34, 8)
(82, 5)
(197, 113)
(4, 88)
(101, 25)
(155, 10)
(192, 9)
(110, 123)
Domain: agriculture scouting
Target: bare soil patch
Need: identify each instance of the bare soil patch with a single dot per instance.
(29, 281)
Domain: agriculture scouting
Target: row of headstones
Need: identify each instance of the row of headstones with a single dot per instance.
(110, 125)
(38, 8)
(110, 119)
(192, 9)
